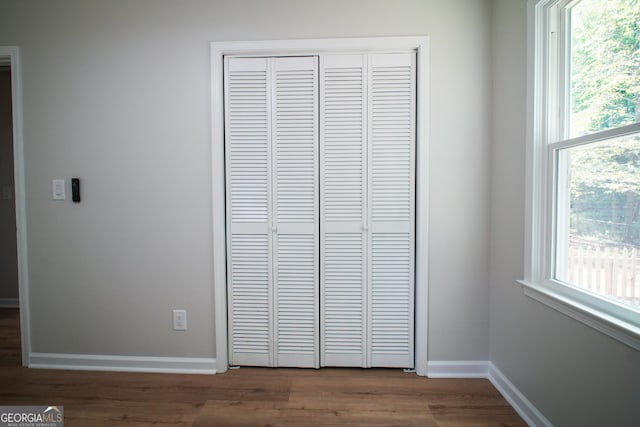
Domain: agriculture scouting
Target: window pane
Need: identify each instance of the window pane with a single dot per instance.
(605, 65)
(599, 245)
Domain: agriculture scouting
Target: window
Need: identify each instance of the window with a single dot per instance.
(584, 163)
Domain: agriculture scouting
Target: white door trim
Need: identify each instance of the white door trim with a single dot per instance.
(12, 55)
(315, 47)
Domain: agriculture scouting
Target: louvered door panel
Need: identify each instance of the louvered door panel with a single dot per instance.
(342, 209)
(249, 297)
(297, 301)
(391, 323)
(248, 172)
(296, 139)
(343, 303)
(295, 147)
(391, 119)
(343, 134)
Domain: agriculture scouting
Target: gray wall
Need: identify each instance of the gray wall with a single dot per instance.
(573, 374)
(117, 93)
(8, 254)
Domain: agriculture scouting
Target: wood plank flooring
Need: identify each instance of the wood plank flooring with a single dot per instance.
(249, 396)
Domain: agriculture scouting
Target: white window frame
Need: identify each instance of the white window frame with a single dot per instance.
(420, 44)
(547, 90)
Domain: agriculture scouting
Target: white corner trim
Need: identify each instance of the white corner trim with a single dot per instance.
(9, 303)
(458, 369)
(422, 367)
(95, 362)
(529, 413)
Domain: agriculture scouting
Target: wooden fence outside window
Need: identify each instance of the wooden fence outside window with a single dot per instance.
(611, 271)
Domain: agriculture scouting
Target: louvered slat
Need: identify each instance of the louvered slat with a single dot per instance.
(392, 204)
(248, 173)
(342, 192)
(295, 147)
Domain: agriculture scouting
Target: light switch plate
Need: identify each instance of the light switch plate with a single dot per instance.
(59, 192)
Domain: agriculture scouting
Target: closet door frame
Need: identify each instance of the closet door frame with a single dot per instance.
(304, 47)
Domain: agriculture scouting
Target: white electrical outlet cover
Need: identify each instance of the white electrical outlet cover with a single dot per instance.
(179, 320)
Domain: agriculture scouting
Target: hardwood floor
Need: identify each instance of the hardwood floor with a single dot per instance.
(249, 396)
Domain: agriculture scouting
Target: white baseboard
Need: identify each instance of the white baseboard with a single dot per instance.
(9, 303)
(422, 368)
(458, 369)
(485, 369)
(529, 413)
(92, 362)
(190, 365)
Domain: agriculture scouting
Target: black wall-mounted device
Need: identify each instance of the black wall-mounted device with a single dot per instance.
(75, 189)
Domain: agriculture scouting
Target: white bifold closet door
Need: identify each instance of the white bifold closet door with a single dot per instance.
(271, 138)
(367, 205)
(320, 176)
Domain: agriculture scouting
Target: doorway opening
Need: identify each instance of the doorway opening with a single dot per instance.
(8, 244)
(9, 290)
(13, 240)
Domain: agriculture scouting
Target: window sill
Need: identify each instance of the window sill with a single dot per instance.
(615, 328)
